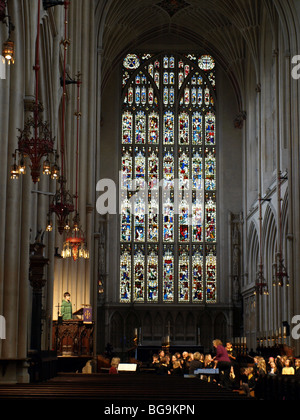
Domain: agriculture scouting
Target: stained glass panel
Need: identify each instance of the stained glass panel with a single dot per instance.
(197, 218)
(140, 128)
(168, 134)
(206, 96)
(137, 95)
(183, 128)
(126, 172)
(210, 220)
(140, 167)
(183, 272)
(126, 221)
(197, 276)
(150, 96)
(153, 168)
(184, 213)
(183, 169)
(153, 221)
(206, 62)
(210, 169)
(168, 276)
(131, 61)
(127, 128)
(197, 128)
(153, 128)
(139, 219)
(209, 128)
(168, 216)
(152, 276)
(211, 277)
(125, 275)
(197, 169)
(168, 169)
(139, 275)
(130, 95)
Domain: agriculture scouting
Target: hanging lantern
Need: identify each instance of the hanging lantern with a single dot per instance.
(14, 171)
(75, 244)
(8, 51)
(62, 205)
(35, 141)
(8, 48)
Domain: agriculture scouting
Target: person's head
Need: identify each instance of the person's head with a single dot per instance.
(288, 363)
(176, 364)
(208, 358)
(115, 362)
(161, 353)
(217, 343)
(67, 296)
(164, 361)
(197, 356)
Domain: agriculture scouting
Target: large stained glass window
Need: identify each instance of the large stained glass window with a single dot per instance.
(168, 180)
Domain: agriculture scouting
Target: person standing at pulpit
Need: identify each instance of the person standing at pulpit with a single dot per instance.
(66, 307)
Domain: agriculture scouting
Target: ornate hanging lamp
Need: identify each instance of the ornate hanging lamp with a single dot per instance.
(35, 141)
(75, 245)
(62, 203)
(261, 286)
(280, 275)
(8, 48)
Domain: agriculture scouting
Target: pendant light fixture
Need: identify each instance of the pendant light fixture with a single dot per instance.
(75, 244)
(280, 275)
(35, 141)
(261, 286)
(8, 48)
(62, 204)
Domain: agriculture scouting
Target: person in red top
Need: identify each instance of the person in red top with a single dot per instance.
(114, 366)
(222, 362)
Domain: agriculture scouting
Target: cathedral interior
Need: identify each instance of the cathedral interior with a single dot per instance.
(101, 101)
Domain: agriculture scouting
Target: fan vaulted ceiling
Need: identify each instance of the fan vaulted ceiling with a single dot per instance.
(227, 29)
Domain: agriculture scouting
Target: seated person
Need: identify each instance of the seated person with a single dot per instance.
(114, 365)
(196, 363)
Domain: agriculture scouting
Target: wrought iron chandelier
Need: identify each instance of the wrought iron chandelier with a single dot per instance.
(35, 141)
(75, 245)
(280, 275)
(8, 48)
(261, 286)
(62, 204)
